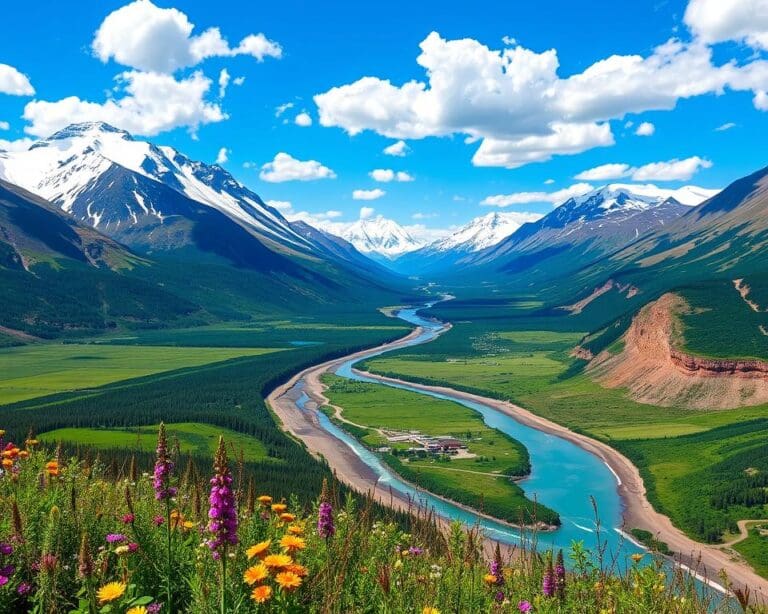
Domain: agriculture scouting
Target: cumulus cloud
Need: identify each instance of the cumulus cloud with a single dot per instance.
(4, 125)
(714, 21)
(303, 119)
(670, 170)
(152, 103)
(645, 129)
(366, 212)
(368, 194)
(517, 106)
(524, 198)
(149, 38)
(17, 145)
(385, 175)
(222, 156)
(287, 168)
(13, 82)
(397, 149)
(238, 80)
(223, 82)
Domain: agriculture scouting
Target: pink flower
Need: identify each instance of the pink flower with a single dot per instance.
(525, 606)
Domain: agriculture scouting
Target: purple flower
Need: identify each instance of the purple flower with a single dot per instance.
(223, 509)
(158, 520)
(115, 538)
(25, 588)
(548, 582)
(163, 468)
(499, 596)
(496, 568)
(154, 608)
(3, 580)
(415, 551)
(325, 526)
(6, 549)
(560, 575)
(525, 606)
(7, 570)
(128, 518)
(133, 547)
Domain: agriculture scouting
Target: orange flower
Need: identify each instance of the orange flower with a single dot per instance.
(288, 580)
(255, 574)
(278, 561)
(286, 517)
(291, 543)
(489, 578)
(259, 550)
(296, 529)
(279, 508)
(52, 468)
(23, 454)
(31, 442)
(265, 500)
(261, 594)
(7, 463)
(299, 570)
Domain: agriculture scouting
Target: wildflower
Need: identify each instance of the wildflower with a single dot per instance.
(255, 574)
(6, 549)
(560, 576)
(48, 562)
(128, 518)
(154, 608)
(84, 558)
(24, 588)
(137, 609)
(496, 567)
(548, 581)
(115, 538)
(291, 543)
(415, 551)
(299, 570)
(133, 547)
(163, 468)
(111, 591)
(158, 520)
(525, 606)
(287, 580)
(430, 610)
(52, 468)
(286, 517)
(295, 529)
(261, 594)
(121, 550)
(489, 579)
(259, 549)
(325, 526)
(278, 561)
(265, 500)
(279, 508)
(637, 557)
(31, 443)
(223, 511)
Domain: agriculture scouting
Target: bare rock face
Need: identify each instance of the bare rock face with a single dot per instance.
(655, 372)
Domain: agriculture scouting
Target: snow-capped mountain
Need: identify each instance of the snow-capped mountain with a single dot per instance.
(482, 232)
(108, 179)
(380, 236)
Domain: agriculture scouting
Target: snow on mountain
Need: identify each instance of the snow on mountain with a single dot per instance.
(71, 166)
(482, 232)
(380, 236)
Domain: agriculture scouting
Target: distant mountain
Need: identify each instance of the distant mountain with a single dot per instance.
(581, 231)
(380, 238)
(480, 233)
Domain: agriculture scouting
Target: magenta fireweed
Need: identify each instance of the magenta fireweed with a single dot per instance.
(560, 575)
(548, 582)
(223, 511)
(163, 468)
(325, 526)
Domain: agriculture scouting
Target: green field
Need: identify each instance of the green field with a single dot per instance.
(753, 549)
(686, 456)
(194, 438)
(497, 456)
(38, 370)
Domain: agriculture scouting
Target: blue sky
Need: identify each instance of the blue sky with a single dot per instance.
(329, 45)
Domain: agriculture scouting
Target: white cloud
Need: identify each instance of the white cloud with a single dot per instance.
(514, 102)
(761, 100)
(670, 170)
(368, 194)
(4, 126)
(144, 36)
(509, 40)
(280, 109)
(287, 168)
(17, 145)
(238, 80)
(14, 82)
(385, 175)
(645, 129)
(152, 103)
(423, 216)
(549, 182)
(223, 82)
(320, 219)
(714, 21)
(397, 149)
(605, 172)
(222, 156)
(366, 212)
(524, 198)
(280, 205)
(725, 126)
(303, 119)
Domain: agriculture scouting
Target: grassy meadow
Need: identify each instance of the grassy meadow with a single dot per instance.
(687, 457)
(482, 482)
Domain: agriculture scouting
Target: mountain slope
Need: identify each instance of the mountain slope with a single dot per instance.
(380, 238)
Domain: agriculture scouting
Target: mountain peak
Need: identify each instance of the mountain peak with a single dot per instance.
(86, 130)
(380, 235)
(484, 231)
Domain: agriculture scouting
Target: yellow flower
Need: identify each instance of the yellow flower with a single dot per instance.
(265, 500)
(286, 517)
(278, 560)
(121, 550)
(259, 550)
(299, 570)
(255, 574)
(279, 508)
(261, 594)
(287, 580)
(637, 557)
(291, 543)
(111, 591)
(31, 442)
(188, 524)
(295, 529)
(489, 578)
(430, 610)
(137, 609)
(2, 433)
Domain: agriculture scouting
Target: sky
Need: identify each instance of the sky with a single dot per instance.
(429, 113)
